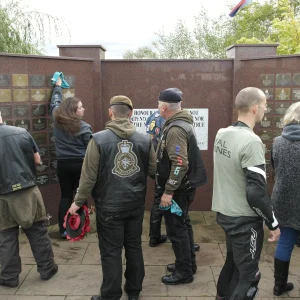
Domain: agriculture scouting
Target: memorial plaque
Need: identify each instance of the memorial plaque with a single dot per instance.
(38, 95)
(70, 80)
(6, 111)
(51, 137)
(53, 164)
(4, 80)
(266, 122)
(68, 93)
(276, 133)
(39, 124)
(5, 95)
(282, 94)
(20, 80)
(54, 178)
(37, 80)
(265, 135)
(48, 94)
(52, 151)
(48, 81)
(8, 122)
(267, 79)
(44, 167)
(270, 108)
(42, 179)
(278, 122)
(23, 123)
(283, 79)
(38, 110)
(296, 79)
(50, 123)
(20, 95)
(43, 152)
(269, 92)
(280, 108)
(268, 147)
(40, 137)
(21, 111)
(296, 94)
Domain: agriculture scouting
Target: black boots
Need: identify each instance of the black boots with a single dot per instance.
(157, 241)
(281, 272)
(171, 268)
(175, 278)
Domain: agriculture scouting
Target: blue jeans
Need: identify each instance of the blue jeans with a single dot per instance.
(285, 246)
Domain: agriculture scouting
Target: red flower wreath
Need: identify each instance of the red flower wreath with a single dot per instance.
(75, 222)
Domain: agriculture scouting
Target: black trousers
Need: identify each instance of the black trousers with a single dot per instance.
(157, 215)
(116, 230)
(244, 241)
(180, 233)
(68, 172)
(41, 247)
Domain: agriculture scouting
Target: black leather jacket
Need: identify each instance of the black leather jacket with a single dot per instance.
(196, 174)
(122, 176)
(17, 169)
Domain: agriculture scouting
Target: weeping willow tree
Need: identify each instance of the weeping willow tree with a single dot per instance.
(26, 31)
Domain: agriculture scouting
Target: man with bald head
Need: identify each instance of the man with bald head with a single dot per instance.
(241, 199)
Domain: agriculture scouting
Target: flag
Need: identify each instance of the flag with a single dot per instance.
(240, 5)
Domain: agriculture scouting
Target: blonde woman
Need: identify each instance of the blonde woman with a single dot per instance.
(286, 195)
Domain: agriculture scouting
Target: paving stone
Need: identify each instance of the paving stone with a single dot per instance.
(203, 285)
(152, 284)
(209, 255)
(15, 297)
(160, 255)
(209, 217)
(65, 252)
(208, 234)
(92, 255)
(69, 280)
(10, 291)
(197, 218)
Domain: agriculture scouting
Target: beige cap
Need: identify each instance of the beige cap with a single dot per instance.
(121, 100)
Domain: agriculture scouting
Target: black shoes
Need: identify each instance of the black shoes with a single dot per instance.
(96, 298)
(175, 278)
(157, 241)
(52, 273)
(171, 268)
(10, 284)
(196, 247)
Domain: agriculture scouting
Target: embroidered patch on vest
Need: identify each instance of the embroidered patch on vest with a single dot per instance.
(126, 162)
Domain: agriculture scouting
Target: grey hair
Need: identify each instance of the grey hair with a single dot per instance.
(248, 97)
(172, 106)
(120, 111)
(292, 114)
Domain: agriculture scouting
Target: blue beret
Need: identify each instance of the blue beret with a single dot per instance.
(171, 95)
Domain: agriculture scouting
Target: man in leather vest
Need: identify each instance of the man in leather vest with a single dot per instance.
(21, 204)
(115, 169)
(154, 125)
(180, 170)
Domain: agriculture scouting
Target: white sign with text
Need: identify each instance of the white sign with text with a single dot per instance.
(200, 116)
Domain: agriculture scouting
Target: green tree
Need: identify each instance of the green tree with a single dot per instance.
(26, 31)
(142, 52)
(273, 21)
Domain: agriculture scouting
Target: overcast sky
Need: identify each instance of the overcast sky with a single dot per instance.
(119, 25)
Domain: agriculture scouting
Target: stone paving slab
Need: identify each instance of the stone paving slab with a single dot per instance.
(65, 252)
(10, 291)
(14, 297)
(203, 285)
(209, 255)
(69, 280)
